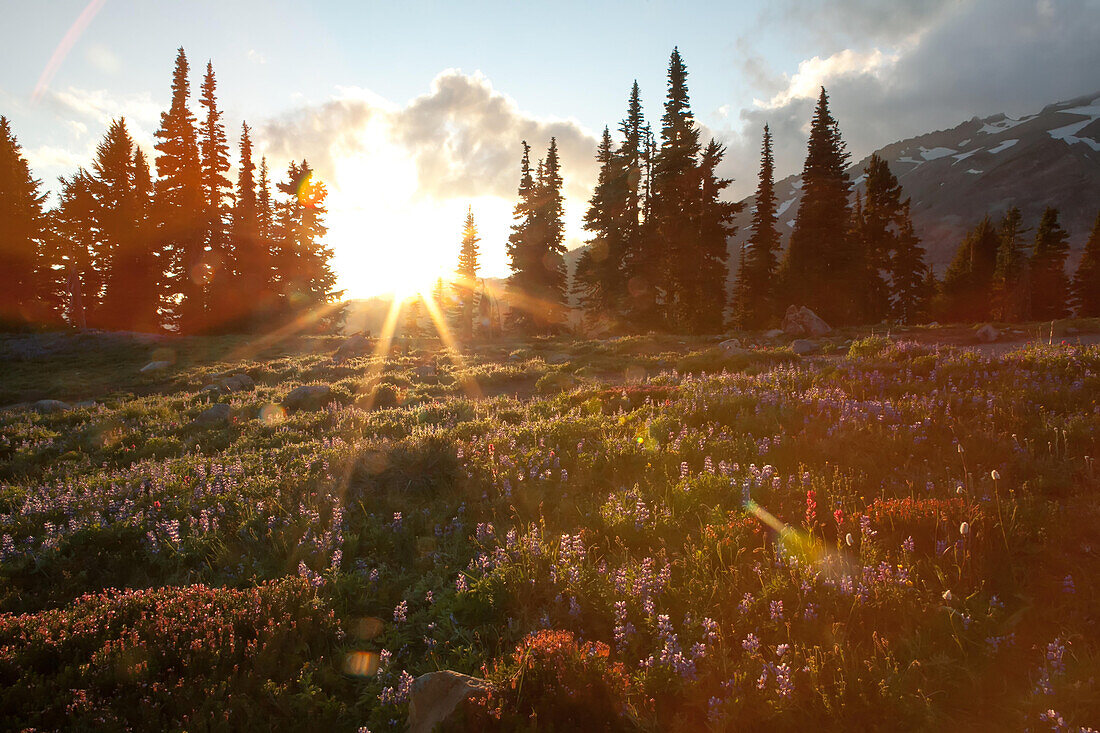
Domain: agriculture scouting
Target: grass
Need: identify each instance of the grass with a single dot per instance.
(640, 531)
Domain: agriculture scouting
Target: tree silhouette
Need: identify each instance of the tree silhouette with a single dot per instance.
(466, 273)
(756, 276)
(968, 282)
(1086, 281)
(1050, 286)
(214, 160)
(22, 229)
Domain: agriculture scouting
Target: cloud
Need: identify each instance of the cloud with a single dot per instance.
(102, 106)
(462, 135)
(934, 66)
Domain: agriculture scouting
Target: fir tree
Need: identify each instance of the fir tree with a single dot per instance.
(1011, 276)
(909, 275)
(1086, 281)
(466, 273)
(304, 274)
(599, 269)
(877, 225)
(630, 289)
(22, 230)
(740, 315)
(80, 283)
(675, 198)
(113, 188)
(703, 287)
(756, 279)
(214, 161)
(968, 282)
(250, 249)
(181, 206)
(820, 265)
(1050, 286)
(520, 246)
(266, 232)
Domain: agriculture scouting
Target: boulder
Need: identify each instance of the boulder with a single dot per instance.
(803, 346)
(801, 321)
(987, 334)
(155, 366)
(425, 370)
(439, 697)
(214, 415)
(355, 345)
(773, 334)
(732, 347)
(50, 406)
(232, 383)
(308, 397)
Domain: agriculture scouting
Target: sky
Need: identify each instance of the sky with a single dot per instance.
(413, 111)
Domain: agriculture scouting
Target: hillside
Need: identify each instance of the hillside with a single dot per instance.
(956, 176)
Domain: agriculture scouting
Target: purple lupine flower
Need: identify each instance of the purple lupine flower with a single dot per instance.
(401, 612)
(776, 610)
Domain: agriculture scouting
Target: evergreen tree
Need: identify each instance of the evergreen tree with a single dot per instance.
(909, 275)
(265, 221)
(1050, 286)
(676, 184)
(820, 265)
(520, 246)
(968, 282)
(598, 278)
(214, 161)
(631, 289)
(876, 233)
(115, 218)
(466, 273)
(304, 274)
(1011, 276)
(703, 287)
(22, 230)
(1086, 281)
(756, 278)
(249, 247)
(740, 315)
(79, 284)
(181, 206)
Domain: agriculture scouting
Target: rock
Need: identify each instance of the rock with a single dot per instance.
(801, 321)
(355, 345)
(50, 406)
(232, 383)
(439, 697)
(307, 397)
(803, 346)
(773, 334)
(933, 324)
(214, 414)
(425, 370)
(556, 358)
(987, 334)
(155, 366)
(732, 347)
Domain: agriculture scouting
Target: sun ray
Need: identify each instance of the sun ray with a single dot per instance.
(299, 324)
(469, 384)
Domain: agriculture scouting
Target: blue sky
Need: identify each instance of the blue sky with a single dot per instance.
(412, 111)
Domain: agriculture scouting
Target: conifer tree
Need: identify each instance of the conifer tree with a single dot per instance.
(820, 266)
(249, 248)
(265, 222)
(520, 245)
(740, 316)
(598, 278)
(703, 287)
(304, 274)
(180, 206)
(551, 228)
(756, 279)
(968, 282)
(909, 275)
(1086, 281)
(79, 286)
(115, 217)
(676, 184)
(22, 229)
(214, 161)
(1011, 276)
(635, 161)
(876, 233)
(1050, 286)
(466, 273)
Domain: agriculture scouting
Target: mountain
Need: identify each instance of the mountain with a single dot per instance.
(955, 177)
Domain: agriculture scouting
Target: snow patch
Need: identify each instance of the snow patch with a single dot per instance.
(1092, 110)
(790, 223)
(935, 153)
(907, 159)
(963, 156)
(861, 179)
(1068, 134)
(783, 207)
(1003, 146)
(797, 184)
(992, 128)
(975, 172)
(964, 143)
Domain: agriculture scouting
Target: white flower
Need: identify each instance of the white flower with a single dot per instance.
(995, 474)
(964, 529)
(849, 540)
(948, 596)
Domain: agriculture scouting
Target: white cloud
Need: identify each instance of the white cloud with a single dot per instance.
(817, 72)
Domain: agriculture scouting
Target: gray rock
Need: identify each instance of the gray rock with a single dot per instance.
(355, 345)
(732, 347)
(307, 397)
(438, 697)
(803, 346)
(773, 334)
(155, 366)
(801, 321)
(214, 414)
(425, 370)
(239, 383)
(50, 406)
(987, 334)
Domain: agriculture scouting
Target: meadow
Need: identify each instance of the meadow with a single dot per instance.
(632, 534)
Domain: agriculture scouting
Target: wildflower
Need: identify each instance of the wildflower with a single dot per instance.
(751, 644)
(429, 597)
(908, 545)
(964, 529)
(948, 595)
(995, 475)
(848, 539)
(781, 650)
(776, 609)
(1067, 585)
(400, 612)
(460, 583)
